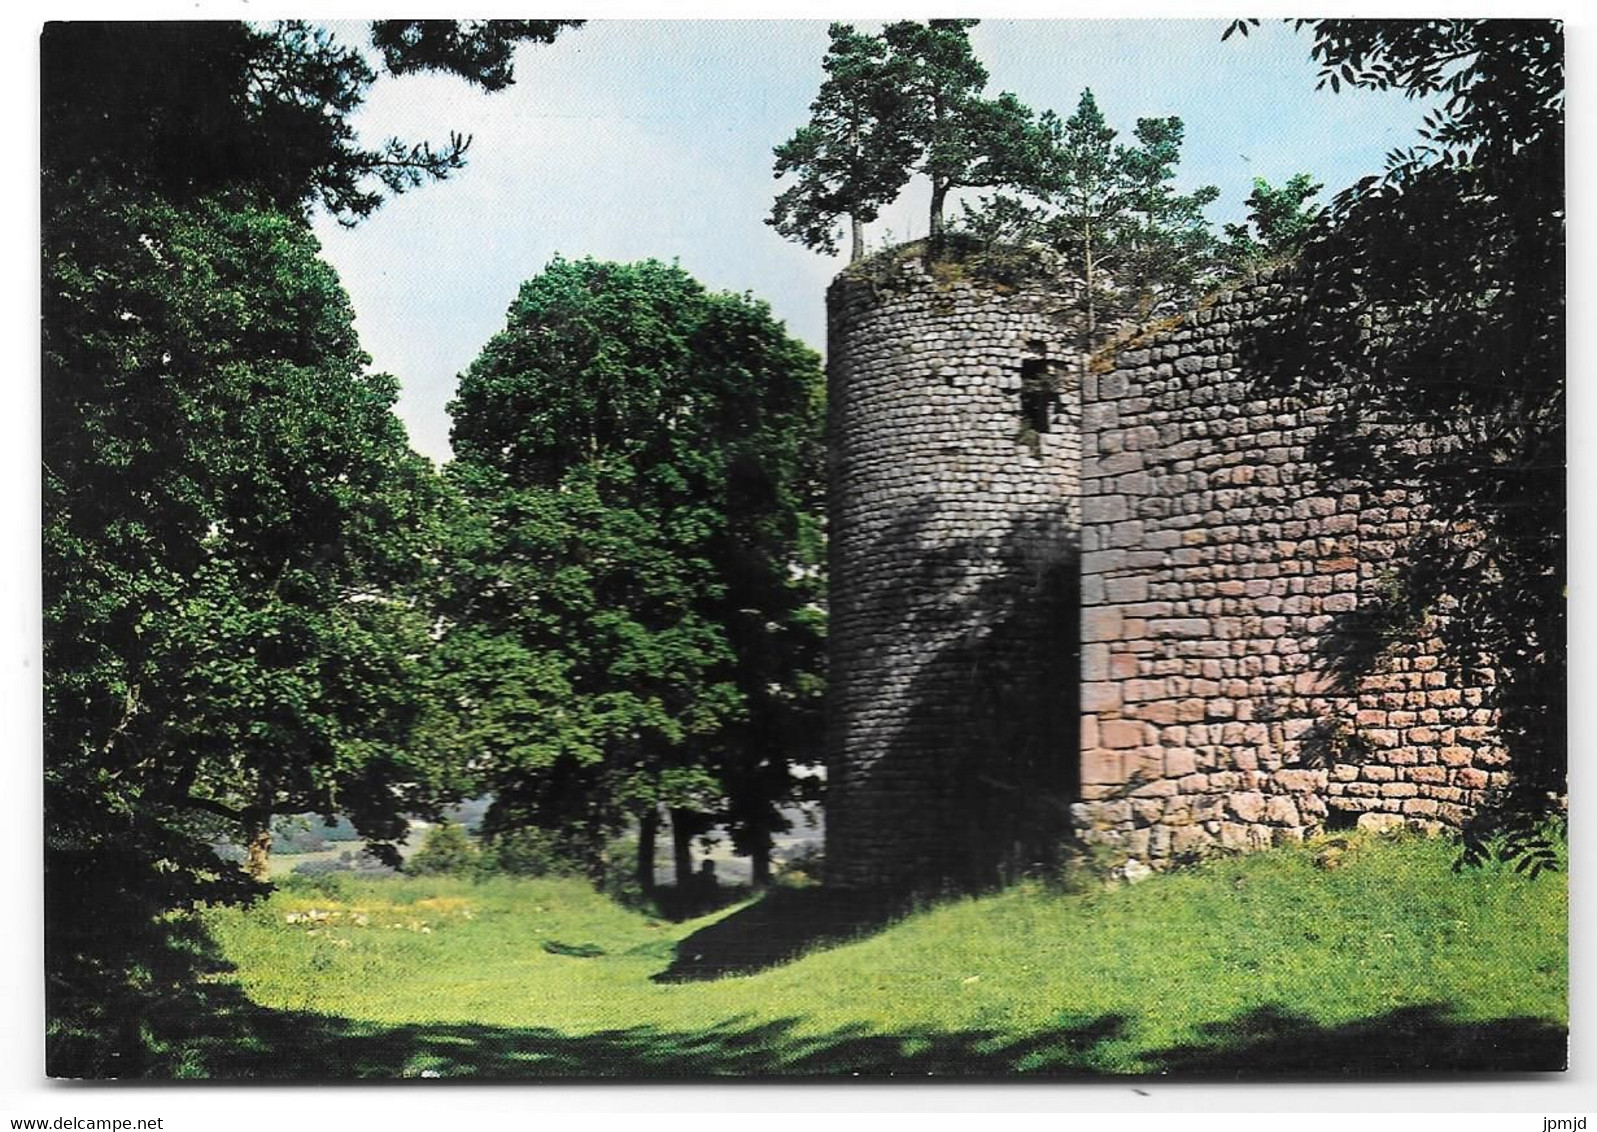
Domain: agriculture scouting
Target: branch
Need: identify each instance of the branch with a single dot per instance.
(211, 806)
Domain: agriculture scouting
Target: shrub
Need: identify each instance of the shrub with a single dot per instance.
(445, 851)
(528, 852)
(308, 880)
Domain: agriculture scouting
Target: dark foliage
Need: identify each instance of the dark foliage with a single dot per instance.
(479, 51)
(186, 108)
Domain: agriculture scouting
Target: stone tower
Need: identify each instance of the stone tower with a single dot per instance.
(954, 506)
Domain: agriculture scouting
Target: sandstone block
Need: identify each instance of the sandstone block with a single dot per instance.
(1190, 839)
(1280, 810)
(1300, 781)
(1101, 624)
(1248, 806)
(1179, 762)
(1379, 823)
(1098, 697)
(1101, 767)
(1179, 627)
(1234, 835)
(1120, 734)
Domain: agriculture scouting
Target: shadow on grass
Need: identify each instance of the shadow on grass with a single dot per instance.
(781, 925)
(671, 903)
(184, 1016)
(293, 1045)
(1266, 1043)
(1413, 1040)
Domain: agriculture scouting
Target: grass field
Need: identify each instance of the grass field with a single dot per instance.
(1269, 964)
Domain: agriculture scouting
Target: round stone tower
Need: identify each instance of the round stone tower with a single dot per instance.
(954, 517)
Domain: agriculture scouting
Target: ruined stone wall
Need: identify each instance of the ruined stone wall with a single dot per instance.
(954, 450)
(1221, 572)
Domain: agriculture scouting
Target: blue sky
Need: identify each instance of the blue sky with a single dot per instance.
(634, 139)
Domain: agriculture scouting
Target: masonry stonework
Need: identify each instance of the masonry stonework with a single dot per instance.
(979, 474)
(1222, 574)
(954, 449)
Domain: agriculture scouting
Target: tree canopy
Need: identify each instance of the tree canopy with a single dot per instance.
(229, 507)
(910, 100)
(184, 108)
(906, 101)
(234, 526)
(632, 617)
(1278, 221)
(964, 140)
(1168, 250)
(1139, 248)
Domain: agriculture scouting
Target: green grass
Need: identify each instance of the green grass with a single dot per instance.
(1266, 964)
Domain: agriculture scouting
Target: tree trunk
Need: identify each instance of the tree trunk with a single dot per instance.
(648, 830)
(258, 844)
(760, 863)
(682, 829)
(935, 221)
(1092, 304)
(856, 250)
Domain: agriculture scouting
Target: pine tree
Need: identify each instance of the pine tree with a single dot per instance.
(1168, 249)
(965, 140)
(853, 156)
(1085, 185)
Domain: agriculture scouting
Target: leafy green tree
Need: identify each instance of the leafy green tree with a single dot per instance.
(233, 529)
(629, 593)
(233, 523)
(855, 153)
(1278, 222)
(1435, 296)
(230, 533)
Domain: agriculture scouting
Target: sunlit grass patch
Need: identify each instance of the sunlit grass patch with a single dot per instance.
(1388, 962)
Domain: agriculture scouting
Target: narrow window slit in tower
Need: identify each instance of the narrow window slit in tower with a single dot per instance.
(1037, 394)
